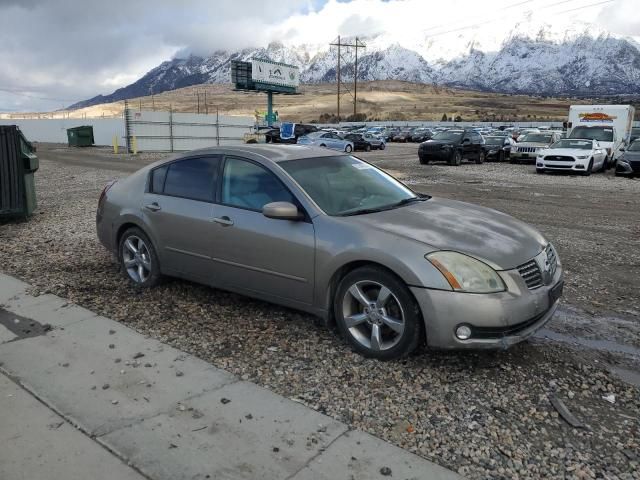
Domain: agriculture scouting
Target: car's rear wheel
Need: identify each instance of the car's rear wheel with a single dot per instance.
(348, 148)
(423, 160)
(377, 314)
(382, 146)
(138, 258)
(323, 145)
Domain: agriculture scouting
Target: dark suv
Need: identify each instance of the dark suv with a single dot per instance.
(453, 146)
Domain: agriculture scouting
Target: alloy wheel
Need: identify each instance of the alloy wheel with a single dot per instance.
(373, 315)
(136, 259)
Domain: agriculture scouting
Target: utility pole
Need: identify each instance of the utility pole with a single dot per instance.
(206, 107)
(357, 44)
(198, 93)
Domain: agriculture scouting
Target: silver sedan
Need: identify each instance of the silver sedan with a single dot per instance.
(333, 235)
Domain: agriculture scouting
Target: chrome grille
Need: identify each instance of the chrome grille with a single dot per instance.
(531, 274)
(552, 260)
(527, 149)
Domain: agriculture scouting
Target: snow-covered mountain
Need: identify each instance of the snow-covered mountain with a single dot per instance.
(531, 58)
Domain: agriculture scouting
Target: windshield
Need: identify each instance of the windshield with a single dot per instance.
(536, 138)
(583, 144)
(344, 185)
(494, 140)
(448, 136)
(602, 134)
(634, 147)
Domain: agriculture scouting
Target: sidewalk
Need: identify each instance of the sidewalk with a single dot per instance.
(143, 409)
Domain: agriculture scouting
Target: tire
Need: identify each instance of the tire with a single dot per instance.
(423, 161)
(481, 158)
(603, 168)
(398, 322)
(456, 158)
(348, 148)
(382, 146)
(323, 145)
(607, 164)
(589, 169)
(138, 259)
(540, 171)
(367, 147)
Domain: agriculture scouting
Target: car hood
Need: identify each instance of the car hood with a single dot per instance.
(531, 144)
(631, 155)
(567, 151)
(441, 224)
(435, 143)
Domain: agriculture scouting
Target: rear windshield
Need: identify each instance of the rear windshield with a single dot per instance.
(494, 140)
(449, 136)
(602, 134)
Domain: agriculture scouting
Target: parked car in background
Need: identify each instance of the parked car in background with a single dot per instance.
(497, 147)
(328, 140)
(452, 146)
(576, 155)
(629, 162)
(273, 135)
(334, 236)
(420, 135)
(377, 142)
(530, 144)
(635, 134)
(403, 136)
(359, 142)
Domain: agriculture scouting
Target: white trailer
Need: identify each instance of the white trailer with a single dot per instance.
(609, 124)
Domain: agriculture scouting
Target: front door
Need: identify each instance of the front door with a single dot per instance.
(178, 208)
(260, 255)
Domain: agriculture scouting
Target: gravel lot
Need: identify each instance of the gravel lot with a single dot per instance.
(481, 414)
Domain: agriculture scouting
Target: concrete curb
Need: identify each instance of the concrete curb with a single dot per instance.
(170, 415)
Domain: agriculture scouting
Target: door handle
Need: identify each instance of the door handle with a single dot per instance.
(224, 221)
(154, 207)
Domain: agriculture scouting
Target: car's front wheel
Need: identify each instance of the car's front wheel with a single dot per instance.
(348, 148)
(456, 158)
(382, 146)
(138, 258)
(481, 157)
(377, 314)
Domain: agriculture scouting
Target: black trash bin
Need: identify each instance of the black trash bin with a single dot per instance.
(80, 136)
(18, 163)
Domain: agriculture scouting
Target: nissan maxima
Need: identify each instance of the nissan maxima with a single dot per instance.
(332, 235)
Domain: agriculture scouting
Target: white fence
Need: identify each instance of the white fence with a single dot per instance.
(55, 130)
(173, 132)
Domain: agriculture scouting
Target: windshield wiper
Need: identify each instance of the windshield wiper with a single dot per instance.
(406, 201)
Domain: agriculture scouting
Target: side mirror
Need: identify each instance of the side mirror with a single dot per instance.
(281, 211)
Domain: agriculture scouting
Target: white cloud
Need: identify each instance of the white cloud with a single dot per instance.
(70, 50)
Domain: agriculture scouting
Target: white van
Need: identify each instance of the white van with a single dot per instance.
(610, 125)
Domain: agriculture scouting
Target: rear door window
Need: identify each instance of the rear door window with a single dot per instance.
(193, 178)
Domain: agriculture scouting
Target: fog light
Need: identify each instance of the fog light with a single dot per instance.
(463, 332)
(580, 167)
(540, 165)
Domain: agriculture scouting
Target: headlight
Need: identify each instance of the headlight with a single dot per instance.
(466, 274)
(582, 157)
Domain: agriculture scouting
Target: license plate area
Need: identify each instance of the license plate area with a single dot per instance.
(555, 293)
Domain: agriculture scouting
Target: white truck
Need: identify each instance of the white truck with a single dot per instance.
(610, 125)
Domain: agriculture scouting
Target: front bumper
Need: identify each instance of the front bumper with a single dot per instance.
(576, 165)
(436, 154)
(497, 320)
(628, 167)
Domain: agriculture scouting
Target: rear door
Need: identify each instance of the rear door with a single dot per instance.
(178, 207)
(258, 255)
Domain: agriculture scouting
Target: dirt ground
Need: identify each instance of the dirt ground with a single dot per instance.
(485, 415)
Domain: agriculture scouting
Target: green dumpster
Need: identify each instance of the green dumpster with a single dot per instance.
(18, 164)
(80, 136)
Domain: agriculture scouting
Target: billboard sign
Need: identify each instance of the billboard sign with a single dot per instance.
(272, 73)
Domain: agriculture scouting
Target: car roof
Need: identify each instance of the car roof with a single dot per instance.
(275, 153)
